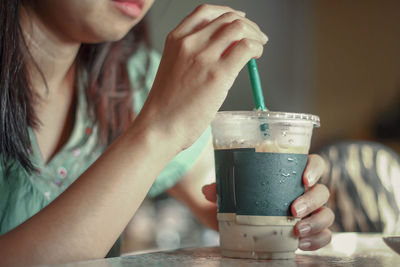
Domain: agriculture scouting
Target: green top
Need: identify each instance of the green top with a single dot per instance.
(22, 194)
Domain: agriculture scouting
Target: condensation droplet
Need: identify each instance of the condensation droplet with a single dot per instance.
(284, 173)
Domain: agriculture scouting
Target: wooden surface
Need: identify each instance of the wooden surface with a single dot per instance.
(347, 249)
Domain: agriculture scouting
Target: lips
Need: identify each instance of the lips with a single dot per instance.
(130, 8)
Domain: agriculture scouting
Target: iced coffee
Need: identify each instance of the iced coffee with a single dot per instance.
(260, 158)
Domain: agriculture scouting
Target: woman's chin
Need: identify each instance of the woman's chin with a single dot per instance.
(109, 36)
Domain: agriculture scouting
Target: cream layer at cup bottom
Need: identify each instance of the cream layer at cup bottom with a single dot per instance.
(257, 237)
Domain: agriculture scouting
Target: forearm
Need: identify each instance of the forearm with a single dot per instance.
(85, 220)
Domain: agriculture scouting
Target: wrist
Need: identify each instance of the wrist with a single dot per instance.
(153, 136)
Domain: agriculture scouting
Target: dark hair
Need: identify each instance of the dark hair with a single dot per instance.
(107, 85)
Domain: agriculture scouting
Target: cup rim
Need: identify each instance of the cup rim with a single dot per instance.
(270, 116)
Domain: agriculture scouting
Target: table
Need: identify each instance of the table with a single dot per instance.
(346, 249)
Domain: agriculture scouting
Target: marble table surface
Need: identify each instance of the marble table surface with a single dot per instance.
(346, 249)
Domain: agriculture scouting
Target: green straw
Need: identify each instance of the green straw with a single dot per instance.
(256, 85)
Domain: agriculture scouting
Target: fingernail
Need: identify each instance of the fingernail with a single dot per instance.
(300, 209)
(304, 244)
(203, 189)
(241, 13)
(304, 228)
(311, 177)
(265, 37)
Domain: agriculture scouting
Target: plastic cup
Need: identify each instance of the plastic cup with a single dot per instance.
(260, 158)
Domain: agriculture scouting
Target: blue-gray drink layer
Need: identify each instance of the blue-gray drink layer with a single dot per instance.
(258, 183)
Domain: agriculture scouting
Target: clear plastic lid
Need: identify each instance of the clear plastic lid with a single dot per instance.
(265, 130)
(269, 116)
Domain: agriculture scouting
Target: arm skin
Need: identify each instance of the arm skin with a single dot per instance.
(68, 228)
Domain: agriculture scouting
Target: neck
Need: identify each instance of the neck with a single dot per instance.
(52, 55)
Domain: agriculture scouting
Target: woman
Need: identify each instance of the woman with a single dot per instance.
(66, 96)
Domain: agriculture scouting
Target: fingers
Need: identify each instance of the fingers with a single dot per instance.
(226, 40)
(320, 220)
(202, 15)
(314, 170)
(238, 54)
(313, 230)
(315, 241)
(229, 29)
(236, 40)
(230, 26)
(210, 192)
(312, 200)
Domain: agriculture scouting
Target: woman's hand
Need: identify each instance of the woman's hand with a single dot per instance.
(210, 193)
(312, 230)
(202, 57)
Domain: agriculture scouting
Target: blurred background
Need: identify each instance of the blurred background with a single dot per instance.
(337, 59)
